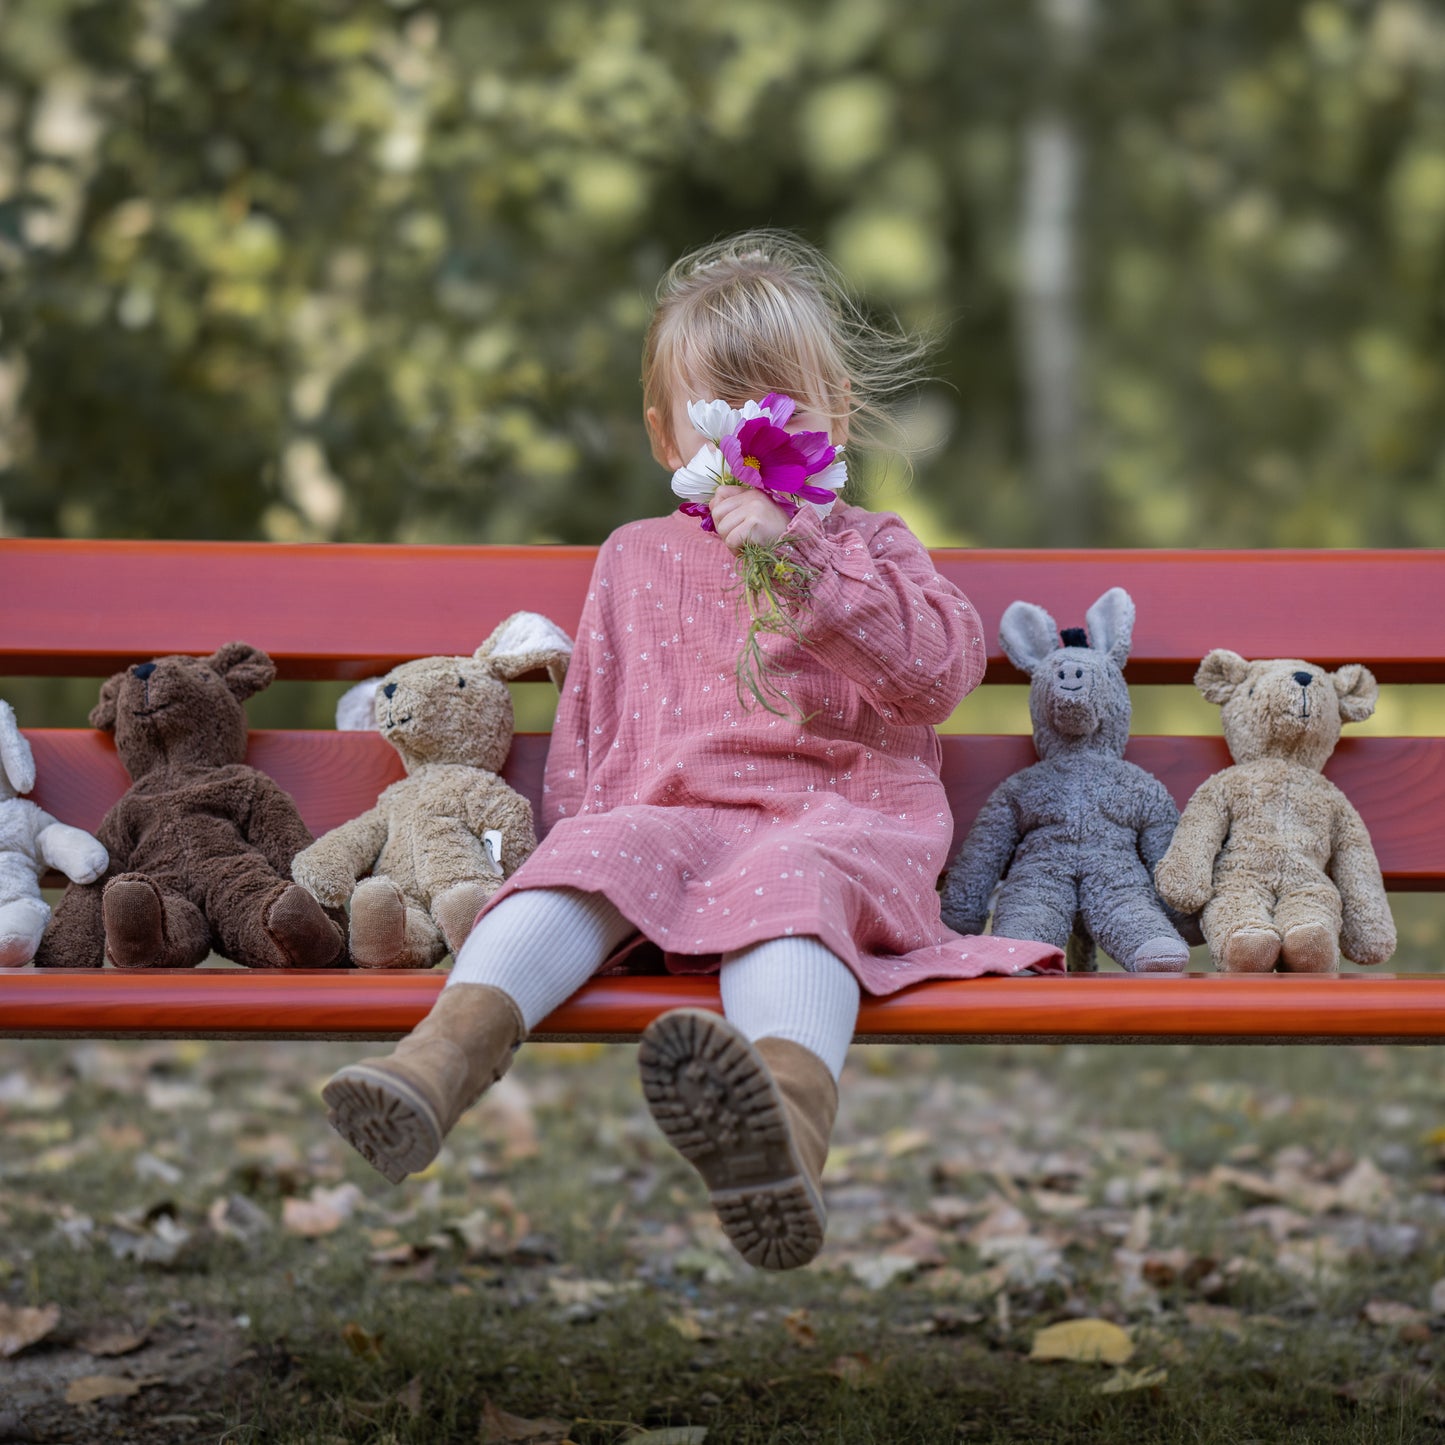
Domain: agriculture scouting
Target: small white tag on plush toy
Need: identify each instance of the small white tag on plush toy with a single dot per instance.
(492, 842)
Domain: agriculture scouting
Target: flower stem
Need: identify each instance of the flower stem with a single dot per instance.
(774, 589)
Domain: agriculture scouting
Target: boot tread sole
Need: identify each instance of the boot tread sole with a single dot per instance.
(716, 1103)
(387, 1121)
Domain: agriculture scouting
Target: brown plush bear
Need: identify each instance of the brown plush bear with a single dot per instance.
(1270, 849)
(200, 844)
(441, 841)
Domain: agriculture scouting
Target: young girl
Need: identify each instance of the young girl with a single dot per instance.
(799, 859)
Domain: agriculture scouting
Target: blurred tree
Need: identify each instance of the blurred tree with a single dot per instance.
(364, 270)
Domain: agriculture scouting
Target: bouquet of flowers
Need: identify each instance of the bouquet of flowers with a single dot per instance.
(750, 447)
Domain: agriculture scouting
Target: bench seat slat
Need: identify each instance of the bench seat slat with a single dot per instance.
(1398, 784)
(351, 611)
(1099, 1008)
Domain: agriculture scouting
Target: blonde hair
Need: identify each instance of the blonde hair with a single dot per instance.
(765, 311)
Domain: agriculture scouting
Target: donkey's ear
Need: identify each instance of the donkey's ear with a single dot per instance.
(1220, 674)
(102, 715)
(244, 669)
(1358, 691)
(1027, 635)
(523, 643)
(16, 760)
(1111, 625)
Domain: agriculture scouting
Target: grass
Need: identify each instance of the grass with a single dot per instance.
(1265, 1223)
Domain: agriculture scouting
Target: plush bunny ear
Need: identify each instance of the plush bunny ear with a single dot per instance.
(1111, 625)
(16, 758)
(1027, 635)
(356, 707)
(244, 669)
(525, 642)
(1358, 691)
(1220, 674)
(102, 715)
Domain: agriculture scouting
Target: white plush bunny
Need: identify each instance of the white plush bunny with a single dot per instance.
(30, 842)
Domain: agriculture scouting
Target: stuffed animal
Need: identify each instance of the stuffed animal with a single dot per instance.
(1270, 849)
(441, 841)
(30, 842)
(200, 844)
(1074, 838)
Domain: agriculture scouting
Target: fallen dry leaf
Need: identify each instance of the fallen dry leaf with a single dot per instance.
(324, 1213)
(361, 1342)
(857, 1370)
(799, 1325)
(1392, 1314)
(690, 1327)
(1087, 1341)
(21, 1327)
(500, 1428)
(88, 1388)
(1122, 1381)
(111, 1342)
(879, 1270)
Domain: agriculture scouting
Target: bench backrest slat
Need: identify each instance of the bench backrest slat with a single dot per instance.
(1398, 784)
(349, 611)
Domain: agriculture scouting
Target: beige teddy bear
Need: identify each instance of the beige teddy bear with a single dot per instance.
(439, 843)
(1271, 850)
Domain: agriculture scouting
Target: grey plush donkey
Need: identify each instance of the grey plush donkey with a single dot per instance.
(1075, 837)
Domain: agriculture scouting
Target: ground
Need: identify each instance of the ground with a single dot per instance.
(190, 1255)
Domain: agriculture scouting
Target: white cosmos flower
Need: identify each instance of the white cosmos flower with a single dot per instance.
(834, 477)
(716, 419)
(698, 480)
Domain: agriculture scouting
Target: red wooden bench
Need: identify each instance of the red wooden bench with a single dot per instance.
(346, 612)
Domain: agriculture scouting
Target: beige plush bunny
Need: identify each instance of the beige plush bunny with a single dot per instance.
(441, 841)
(30, 842)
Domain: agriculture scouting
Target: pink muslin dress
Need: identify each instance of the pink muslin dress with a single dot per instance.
(714, 825)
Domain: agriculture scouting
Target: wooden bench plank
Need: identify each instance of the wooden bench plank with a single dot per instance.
(349, 611)
(1398, 784)
(1099, 1008)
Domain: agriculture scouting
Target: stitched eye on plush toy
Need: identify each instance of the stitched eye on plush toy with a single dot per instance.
(461, 682)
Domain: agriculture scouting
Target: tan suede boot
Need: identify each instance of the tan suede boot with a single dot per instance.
(754, 1120)
(396, 1111)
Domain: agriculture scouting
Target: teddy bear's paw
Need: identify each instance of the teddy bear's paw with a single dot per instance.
(296, 923)
(1250, 950)
(1165, 954)
(389, 932)
(135, 923)
(456, 909)
(22, 922)
(1310, 948)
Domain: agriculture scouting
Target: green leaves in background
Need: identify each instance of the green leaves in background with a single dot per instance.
(374, 271)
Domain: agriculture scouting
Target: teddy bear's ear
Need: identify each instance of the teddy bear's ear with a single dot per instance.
(1110, 622)
(244, 669)
(1027, 635)
(356, 707)
(1220, 674)
(1358, 691)
(16, 758)
(102, 715)
(522, 644)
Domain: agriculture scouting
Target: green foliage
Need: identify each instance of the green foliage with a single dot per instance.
(372, 271)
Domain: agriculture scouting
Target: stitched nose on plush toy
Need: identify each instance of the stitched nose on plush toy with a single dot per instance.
(1304, 678)
(143, 670)
(389, 690)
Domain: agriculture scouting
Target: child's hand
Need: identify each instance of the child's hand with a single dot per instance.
(744, 514)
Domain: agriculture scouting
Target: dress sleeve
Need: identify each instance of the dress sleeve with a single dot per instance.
(586, 721)
(883, 617)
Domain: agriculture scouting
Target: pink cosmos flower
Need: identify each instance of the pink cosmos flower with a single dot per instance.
(761, 454)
